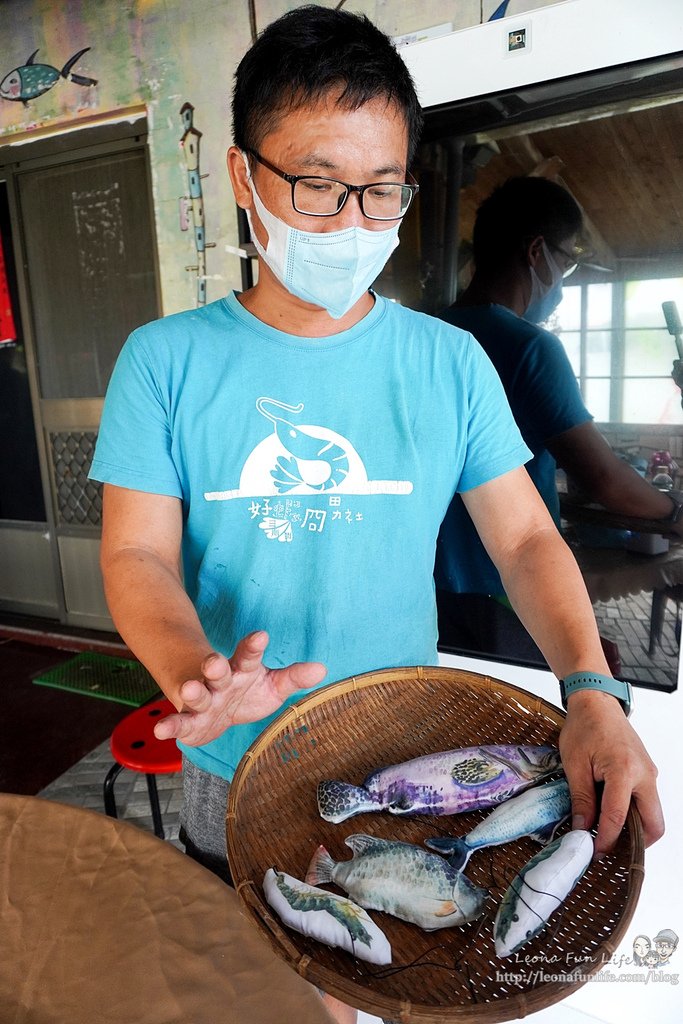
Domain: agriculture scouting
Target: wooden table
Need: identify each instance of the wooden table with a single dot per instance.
(103, 923)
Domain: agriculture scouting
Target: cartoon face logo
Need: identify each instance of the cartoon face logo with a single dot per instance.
(665, 944)
(641, 947)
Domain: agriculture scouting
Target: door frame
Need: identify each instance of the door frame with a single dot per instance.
(68, 146)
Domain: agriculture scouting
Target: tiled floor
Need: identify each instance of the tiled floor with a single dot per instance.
(627, 622)
(82, 785)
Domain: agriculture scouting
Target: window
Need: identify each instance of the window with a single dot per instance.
(620, 349)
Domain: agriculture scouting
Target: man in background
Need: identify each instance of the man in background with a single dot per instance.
(524, 243)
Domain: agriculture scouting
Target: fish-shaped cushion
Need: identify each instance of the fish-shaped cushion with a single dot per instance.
(448, 782)
(537, 812)
(403, 880)
(326, 916)
(539, 889)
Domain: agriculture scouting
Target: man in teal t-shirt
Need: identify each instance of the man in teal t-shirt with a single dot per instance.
(299, 444)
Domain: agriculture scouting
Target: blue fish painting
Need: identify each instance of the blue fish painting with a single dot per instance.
(31, 80)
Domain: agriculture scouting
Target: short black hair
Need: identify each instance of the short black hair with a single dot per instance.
(518, 211)
(306, 53)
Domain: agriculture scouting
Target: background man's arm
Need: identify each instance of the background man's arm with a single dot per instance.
(584, 454)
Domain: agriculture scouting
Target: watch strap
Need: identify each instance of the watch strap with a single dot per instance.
(595, 681)
(676, 514)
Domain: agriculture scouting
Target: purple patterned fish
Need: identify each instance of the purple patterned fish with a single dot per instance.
(445, 783)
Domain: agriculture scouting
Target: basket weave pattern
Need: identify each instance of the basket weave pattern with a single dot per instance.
(346, 731)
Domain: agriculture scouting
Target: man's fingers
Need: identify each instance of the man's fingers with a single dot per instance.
(174, 727)
(616, 798)
(299, 676)
(584, 803)
(248, 654)
(215, 668)
(651, 815)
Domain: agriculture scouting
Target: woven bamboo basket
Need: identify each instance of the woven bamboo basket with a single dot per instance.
(347, 730)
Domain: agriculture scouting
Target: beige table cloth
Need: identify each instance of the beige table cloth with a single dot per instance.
(101, 922)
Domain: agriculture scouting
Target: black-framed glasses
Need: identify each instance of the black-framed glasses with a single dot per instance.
(317, 196)
(572, 258)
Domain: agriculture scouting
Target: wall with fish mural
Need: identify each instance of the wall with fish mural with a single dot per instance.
(63, 65)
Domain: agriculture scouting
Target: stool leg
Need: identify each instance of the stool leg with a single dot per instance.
(156, 810)
(109, 801)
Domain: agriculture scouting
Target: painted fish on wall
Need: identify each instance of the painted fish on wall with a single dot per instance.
(32, 80)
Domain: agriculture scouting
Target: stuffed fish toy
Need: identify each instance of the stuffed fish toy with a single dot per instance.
(537, 812)
(539, 889)
(448, 782)
(403, 880)
(327, 917)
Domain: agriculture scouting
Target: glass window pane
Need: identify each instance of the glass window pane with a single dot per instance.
(651, 401)
(649, 353)
(599, 312)
(571, 342)
(596, 397)
(644, 301)
(598, 353)
(569, 310)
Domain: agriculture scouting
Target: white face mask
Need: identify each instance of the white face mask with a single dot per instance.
(331, 269)
(544, 298)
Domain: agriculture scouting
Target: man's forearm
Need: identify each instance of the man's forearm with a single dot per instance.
(546, 589)
(155, 617)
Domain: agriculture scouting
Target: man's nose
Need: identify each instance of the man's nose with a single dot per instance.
(350, 215)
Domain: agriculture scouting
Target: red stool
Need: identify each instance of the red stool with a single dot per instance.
(134, 746)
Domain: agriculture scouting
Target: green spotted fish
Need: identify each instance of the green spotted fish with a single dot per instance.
(403, 880)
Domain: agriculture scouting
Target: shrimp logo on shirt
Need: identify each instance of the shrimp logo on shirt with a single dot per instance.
(303, 458)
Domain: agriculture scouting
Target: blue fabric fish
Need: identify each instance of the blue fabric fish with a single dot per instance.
(537, 812)
(31, 80)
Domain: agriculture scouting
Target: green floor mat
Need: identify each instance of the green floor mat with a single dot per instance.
(100, 675)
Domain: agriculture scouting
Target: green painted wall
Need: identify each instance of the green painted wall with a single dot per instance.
(161, 54)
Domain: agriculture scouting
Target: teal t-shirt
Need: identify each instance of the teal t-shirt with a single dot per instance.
(314, 474)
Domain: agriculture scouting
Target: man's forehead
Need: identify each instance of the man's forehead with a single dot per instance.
(310, 109)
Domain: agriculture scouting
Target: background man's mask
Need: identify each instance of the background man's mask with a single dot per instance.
(544, 298)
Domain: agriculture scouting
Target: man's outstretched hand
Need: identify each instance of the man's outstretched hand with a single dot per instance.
(232, 691)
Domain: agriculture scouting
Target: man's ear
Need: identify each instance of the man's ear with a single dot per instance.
(534, 250)
(237, 169)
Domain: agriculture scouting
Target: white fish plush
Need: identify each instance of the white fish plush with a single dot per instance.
(539, 889)
(327, 917)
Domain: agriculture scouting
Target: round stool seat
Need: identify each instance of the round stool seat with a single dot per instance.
(134, 745)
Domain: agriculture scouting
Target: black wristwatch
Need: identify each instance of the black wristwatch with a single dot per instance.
(594, 681)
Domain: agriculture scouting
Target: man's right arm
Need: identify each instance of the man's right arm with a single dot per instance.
(140, 560)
